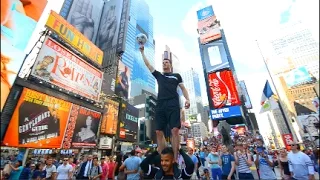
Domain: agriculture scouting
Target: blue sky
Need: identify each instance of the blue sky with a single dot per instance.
(244, 22)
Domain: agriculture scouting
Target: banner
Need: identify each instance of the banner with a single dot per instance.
(110, 118)
(18, 22)
(297, 76)
(39, 120)
(240, 129)
(215, 56)
(223, 90)
(105, 143)
(86, 128)
(59, 66)
(129, 123)
(309, 124)
(287, 139)
(111, 37)
(75, 38)
(246, 97)
(227, 112)
(208, 25)
(123, 80)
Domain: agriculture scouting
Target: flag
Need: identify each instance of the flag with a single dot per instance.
(267, 93)
(270, 104)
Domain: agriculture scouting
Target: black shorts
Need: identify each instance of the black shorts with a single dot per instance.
(168, 114)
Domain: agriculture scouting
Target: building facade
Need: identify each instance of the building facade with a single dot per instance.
(141, 21)
(199, 130)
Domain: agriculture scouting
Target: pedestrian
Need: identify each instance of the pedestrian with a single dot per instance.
(85, 168)
(213, 159)
(39, 172)
(167, 168)
(284, 165)
(194, 160)
(16, 170)
(227, 162)
(112, 166)
(105, 168)
(26, 172)
(205, 175)
(32, 169)
(96, 171)
(131, 166)
(65, 170)
(203, 156)
(168, 103)
(265, 164)
(118, 164)
(300, 164)
(51, 169)
(243, 161)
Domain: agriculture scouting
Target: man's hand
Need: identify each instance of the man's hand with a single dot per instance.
(229, 177)
(141, 49)
(187, 104)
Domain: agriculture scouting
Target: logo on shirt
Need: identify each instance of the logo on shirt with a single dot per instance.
(172, 77)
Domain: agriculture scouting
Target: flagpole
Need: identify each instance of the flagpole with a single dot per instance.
(272, 81)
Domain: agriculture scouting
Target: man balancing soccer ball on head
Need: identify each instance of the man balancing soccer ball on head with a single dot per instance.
(168, 103)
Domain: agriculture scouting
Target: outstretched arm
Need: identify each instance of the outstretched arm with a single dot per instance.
(146, 165)
(146, 61)
(188, 170)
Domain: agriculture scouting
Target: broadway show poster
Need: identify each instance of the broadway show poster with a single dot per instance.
(86, 128)
(18, 22)
(223, 90)
(208, 25)
(85, 15)
(110, 118)
(59, 66)
(38, 121)
(129, 122)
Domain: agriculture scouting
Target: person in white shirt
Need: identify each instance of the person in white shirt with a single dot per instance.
(64, 171)
(50, 169)
(300, 164)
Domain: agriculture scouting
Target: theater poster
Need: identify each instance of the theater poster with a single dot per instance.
(85, 128)
(38, 121)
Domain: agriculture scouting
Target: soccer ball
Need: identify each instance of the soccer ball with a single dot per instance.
(141, 39)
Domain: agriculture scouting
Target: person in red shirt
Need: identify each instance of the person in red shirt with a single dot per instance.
(105, 169)
(112, 165)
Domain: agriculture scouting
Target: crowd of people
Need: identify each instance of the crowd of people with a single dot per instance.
(214, 160)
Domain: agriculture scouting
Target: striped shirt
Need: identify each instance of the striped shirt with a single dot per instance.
(243, 166)
(300, 165)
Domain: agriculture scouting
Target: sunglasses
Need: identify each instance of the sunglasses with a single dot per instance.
(65, 160)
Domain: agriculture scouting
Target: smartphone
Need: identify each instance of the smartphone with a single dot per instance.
(260, 149)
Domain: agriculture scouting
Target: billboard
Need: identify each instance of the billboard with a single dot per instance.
(223, 90)
(240, 129)
(111, 38)
(105, 142)
(246, 97)
(129, 122)
(208, 25)
(74, 37)
(18, 22)
(59, 66)
(309, 124)
(123, 80)
(85, 127)
(110, 118)
(297, 76)
(227, 112)
(215, 56)
(288, 140)
(38, 121)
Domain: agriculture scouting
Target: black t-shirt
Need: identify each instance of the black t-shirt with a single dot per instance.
(167, 85)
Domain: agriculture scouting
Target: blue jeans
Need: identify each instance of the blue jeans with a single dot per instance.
(246, 176)
(216, 173)
(203, 160)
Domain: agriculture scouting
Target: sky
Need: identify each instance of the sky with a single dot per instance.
(245, 23)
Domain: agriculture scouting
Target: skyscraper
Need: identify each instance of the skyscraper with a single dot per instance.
(173, 58)
(192, 84)
(141, 21)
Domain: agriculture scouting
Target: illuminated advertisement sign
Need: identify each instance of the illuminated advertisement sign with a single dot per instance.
(247, 101)
(18, 22)
(208, 25)
(110, 118)
(223, 90)
(297, 76)
(129, 122)
(240, 129)
(227, 112)
(123, 80)
(310, 124)
(215, 56)
(38, 121)
(59, 66)
(75, 38)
